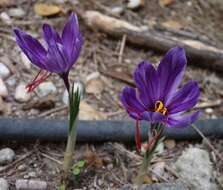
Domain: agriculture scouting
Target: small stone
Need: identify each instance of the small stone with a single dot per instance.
(26, 62)
(4, 184)
(16, 12)
(22, 184)
(3, 89)
(4, 71)
(21, 94)
(11, 81)
(170, 143)
(110, 166)
(5, 18)
(117, 10)
(32, 174)
(134, 4)
(209, 110)
(7, 155)
(21, 167)
(46, 88)
(195, 168)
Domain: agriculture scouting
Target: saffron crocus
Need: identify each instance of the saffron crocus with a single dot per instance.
(157, 97)
(61, 53)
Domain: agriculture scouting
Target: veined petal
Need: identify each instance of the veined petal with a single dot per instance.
(154, 117)
(170, 72)
(131, 103)
(57, 59)
(72, 38)
(147, 82)
(185, 98)
(32, 48)
(50, 35)
(182, 120)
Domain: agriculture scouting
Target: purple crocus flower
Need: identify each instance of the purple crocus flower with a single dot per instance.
(59, 56)
(157, 97)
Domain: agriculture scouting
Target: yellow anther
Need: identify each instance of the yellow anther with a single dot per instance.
(159, 107)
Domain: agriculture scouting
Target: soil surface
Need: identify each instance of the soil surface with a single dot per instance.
(108, 165)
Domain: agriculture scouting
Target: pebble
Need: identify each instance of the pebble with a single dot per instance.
(46, 88)
(23, 184)
(170, 143)
(21, 94)
(4, 71)
(209, 110)
(26, 62)
(16, 12)
(4, 184)
(5, 18)
(21, 167)
(134, 4)
(195, 168)
(3, 89)
(32, 174)
(7, 155)
(117, 10)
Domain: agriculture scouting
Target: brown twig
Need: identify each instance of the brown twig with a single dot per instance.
(17, 161)
(204, 105)
(49, 112)
(205, 139)
(122, 49)
(51, 158)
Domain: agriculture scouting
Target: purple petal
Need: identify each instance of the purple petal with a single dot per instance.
(185, 98)
(50, 35)
(72, 38)
(57, 58)
(31, 47)
(147, 82)
(131, 103)
(154, 117)
(170, 72)
(182, 120)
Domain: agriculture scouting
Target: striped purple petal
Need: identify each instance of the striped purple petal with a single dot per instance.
(147, 82)
(72, 38)
(131, 103)
(185, 98)
(170, 72)
(32, 48)
(182, 120)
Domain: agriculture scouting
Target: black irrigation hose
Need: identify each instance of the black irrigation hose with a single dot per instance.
(97, 131)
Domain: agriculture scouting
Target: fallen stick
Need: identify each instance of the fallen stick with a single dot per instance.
(198, 53)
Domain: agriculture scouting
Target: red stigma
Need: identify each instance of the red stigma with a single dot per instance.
(40, 77)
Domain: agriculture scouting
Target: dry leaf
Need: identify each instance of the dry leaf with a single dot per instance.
(94, 86)
(158, 171)
(87, 112)
(172, 24)
(46, 9)
(147, 179)
(164, 3)
(170, 143)
(93, 159)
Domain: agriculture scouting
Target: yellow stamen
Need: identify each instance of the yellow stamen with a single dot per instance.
(159, 107)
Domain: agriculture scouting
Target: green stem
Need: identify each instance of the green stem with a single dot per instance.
(143, 169)
(68, 156)
(148, 156)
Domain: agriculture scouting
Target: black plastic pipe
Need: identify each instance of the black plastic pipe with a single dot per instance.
(98, 131)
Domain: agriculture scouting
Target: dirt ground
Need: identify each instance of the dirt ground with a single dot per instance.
(107, 167)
